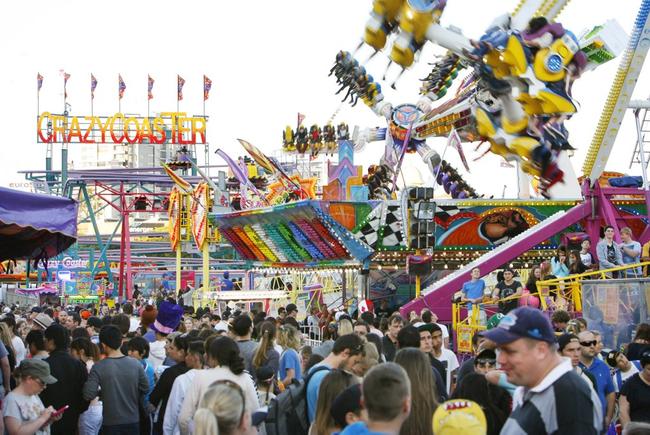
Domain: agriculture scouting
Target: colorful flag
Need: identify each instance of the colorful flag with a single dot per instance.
(241, 175)
(66, 77)
(181, 83)
(454, 141)
(301, 118)
(270, 165)
(182, 184)
(39, 81)
(259, 157)
(150, 87)
(93, 85)
(121, 86)
(207, 85)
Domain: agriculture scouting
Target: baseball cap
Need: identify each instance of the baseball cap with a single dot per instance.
(611, 358)
(459, 417)
(221, 326)
(264, 373)
(291, 307)
(564, 339)
(485, 354)
(348, 400)
(37, 368)
(523, 322)
(36, 310)
(43, 320)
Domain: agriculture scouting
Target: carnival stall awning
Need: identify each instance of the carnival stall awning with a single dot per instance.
(297, 234)
(37, 291)
(35, 226)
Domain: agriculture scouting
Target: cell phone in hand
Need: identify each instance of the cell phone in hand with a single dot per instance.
(60, 411)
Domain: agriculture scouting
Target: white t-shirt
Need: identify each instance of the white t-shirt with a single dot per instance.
(19, 347)
(586, 258)
(449, 359)
(134, 323)
(624, 376)
(445, 331)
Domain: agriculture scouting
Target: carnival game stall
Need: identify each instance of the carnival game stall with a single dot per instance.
(298, 239)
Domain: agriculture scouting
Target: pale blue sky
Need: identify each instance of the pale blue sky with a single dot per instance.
(267, 61)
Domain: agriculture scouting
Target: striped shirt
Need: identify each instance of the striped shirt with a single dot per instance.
(562, 403)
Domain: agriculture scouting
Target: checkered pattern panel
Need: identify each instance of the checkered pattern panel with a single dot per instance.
(393, 236)
(369, 231)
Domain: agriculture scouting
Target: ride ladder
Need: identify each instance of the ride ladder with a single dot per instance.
(641, 153)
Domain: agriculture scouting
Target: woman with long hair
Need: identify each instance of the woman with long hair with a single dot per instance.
(494, 400)
(224, 356)
(345, 327)
(423, 391)
(266, 355)
(5, 336)
(534, 276)
(333, 384)
(560, 262)
(640, 344)
(223, 411)
(290, 367)
(575, 263)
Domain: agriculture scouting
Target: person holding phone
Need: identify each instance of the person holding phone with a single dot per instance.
(23, 410)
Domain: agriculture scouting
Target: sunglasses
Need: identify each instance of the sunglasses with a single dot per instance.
(589, 343)
(486, 363)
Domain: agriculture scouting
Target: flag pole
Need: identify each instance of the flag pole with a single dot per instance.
(206, 146)
(119, 98)
(64, 145)
(92, 114)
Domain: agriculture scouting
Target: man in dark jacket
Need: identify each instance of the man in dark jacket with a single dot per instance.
(71, 374)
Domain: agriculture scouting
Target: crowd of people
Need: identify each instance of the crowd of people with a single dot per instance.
(162, 369)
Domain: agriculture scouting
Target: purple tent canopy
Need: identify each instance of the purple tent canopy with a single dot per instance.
(35, 226)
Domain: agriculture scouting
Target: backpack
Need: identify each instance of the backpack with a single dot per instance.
(287, 413)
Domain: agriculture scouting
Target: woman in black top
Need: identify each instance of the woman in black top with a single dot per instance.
(575, 263)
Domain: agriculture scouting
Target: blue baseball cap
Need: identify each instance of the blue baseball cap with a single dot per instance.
(523, 322)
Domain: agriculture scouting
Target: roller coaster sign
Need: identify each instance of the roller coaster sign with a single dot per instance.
(167, 127)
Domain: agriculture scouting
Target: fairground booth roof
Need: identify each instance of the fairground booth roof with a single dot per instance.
(35, 226)
(300, 234)
(340, 233)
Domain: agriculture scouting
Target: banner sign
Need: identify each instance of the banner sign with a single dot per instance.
(168, 127)
(199, 213)
(175, 198)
